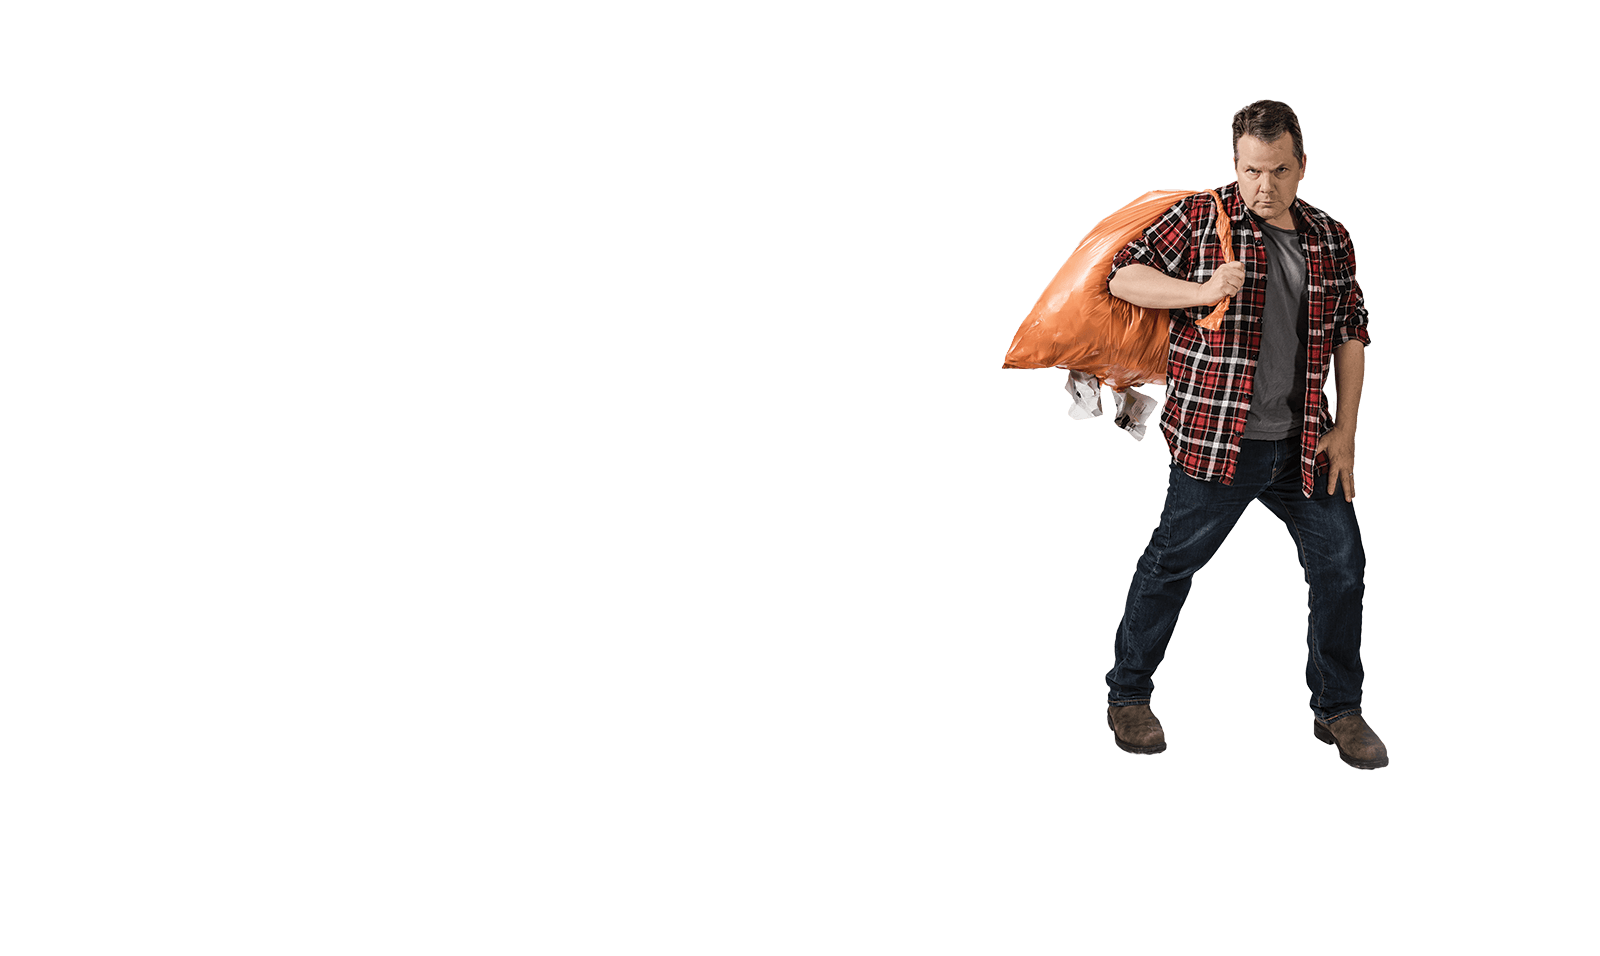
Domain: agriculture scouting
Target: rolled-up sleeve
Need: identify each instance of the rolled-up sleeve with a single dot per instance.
(1166, 245)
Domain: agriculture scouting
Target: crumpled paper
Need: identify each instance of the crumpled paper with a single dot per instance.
(1133, 406)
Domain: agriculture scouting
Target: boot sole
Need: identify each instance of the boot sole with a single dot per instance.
(1130, 748)
(1326, 736)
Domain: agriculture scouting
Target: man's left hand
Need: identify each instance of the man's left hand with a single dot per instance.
(1340, 444)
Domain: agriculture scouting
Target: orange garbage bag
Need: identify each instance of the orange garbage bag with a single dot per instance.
(1078, 324)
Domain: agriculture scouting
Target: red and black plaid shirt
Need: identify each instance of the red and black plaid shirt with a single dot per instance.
(1210, 375)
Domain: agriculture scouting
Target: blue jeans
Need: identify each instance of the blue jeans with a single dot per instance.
(1197, 517)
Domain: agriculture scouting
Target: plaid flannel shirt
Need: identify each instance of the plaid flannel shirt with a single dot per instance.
(1211, 374)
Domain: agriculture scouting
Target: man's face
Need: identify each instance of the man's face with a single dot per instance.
(1269, 175)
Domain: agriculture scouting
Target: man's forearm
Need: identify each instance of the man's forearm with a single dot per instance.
(1349, 368)
(1154, 289)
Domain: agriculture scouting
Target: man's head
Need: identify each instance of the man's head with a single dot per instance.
(1269, 158)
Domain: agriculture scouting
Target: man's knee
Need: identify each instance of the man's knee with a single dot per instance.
(1339, 567)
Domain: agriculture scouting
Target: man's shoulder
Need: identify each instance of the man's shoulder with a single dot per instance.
(1320, 220)
(1198, 208)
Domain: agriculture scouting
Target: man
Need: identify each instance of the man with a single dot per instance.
(1246, 419)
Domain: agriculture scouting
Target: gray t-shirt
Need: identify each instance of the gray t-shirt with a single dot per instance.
(1277, 400)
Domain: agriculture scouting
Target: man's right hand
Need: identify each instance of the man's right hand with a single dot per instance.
(1227, 280)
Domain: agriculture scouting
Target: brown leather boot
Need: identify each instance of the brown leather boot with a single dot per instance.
(1358, 745)
(1136, 729)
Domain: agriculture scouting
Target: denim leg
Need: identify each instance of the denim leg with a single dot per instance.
(1195, 521)
(1328, 541)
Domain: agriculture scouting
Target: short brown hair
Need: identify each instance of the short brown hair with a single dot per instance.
(1267, 120)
